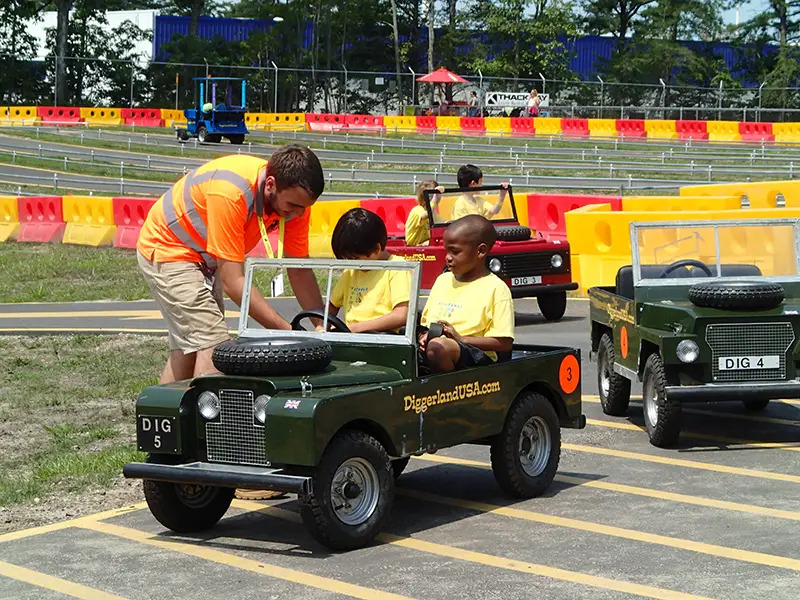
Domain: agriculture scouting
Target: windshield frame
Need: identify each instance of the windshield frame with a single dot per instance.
(458, 190)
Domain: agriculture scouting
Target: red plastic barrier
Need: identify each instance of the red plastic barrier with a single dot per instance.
(426, 124)
(546, 211)
(756, 132)
(633, 128)
(129, 216)
(473, 125)
(144, 117)
(392, 211)
(370, 122)
(324, 122)
(41, 219)
(522, 126)
(59, 114)
(695, 130)
(259, 251)
(575, 127)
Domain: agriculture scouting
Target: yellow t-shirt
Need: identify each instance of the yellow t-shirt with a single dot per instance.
(417, 230)
(476, 205)
(367, 295)
(480, 308)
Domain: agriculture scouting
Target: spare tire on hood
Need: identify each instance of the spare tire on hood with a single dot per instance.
(513, 233)
(272, 356)
(737, 295)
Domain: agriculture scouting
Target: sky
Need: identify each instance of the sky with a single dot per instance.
(747, 10)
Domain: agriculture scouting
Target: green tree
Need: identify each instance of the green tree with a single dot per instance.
(17, 51)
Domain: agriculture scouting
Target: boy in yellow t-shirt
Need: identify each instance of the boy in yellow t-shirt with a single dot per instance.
(372, 300)
(418, 231)
(470, 204)
(473, 305)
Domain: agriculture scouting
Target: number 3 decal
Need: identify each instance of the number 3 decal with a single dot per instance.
(569, 374)
(623, 342)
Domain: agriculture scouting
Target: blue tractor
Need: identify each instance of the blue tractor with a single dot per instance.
(216, 114)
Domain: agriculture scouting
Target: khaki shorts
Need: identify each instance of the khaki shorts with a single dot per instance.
(195, 314)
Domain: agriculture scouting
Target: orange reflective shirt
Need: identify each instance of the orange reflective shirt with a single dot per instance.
(210, 213)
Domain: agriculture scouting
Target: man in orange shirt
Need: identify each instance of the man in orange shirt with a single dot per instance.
(193, 244)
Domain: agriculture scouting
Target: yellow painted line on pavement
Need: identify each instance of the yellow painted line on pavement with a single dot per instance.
(635, 490)
(769, 560)
(510, 564)
(191, 548)
(681, 462)
(48, 582)
(790, 401)
(716, 413)
(108, 514)
(791, 446)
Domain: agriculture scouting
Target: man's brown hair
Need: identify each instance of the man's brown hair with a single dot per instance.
(297, 166)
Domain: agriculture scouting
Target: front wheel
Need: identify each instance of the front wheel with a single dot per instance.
(352, 491)
(202, 134)
(525, 454)
(185, 508)
(553, 306)
(662, 416)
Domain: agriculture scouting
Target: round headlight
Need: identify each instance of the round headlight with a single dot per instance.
(260, 408)
(495, 265)
(208, 405)
(687, 351)
(556, 260)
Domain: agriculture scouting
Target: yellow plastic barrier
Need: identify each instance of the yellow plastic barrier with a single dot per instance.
(3, 115)
(661, 130)
(448, 125)
(102, 116)
(497, 125)
(90, 220)
(89, 235)
(786, 133)
(723, 131)
(286, 121)
(602, 128)
(9, 218)
(324, 216)
(680, 203)
(257, 120)
(400, 124)
(546, 126)
(759, 194)
(20, 116)
(173, 118)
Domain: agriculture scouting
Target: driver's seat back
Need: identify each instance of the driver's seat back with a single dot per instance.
(624, 281)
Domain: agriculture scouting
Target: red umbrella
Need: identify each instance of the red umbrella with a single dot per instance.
(442, 75)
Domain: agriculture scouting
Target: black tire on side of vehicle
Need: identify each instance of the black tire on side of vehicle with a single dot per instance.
(356, 468)
(185, 508)
(553, 306)
(661, 416)
(755, 405)
(532, 431)
(513, 233)
(614, 389)
(214, 138)
(284, 356)
(237, 138)
(399, 465)
(733, 295)
(183, 135)
(202, 134)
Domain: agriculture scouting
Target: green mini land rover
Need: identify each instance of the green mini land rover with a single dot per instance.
(334, 417)
(707, 311)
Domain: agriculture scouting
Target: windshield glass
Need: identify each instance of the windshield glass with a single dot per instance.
(359, 296)
(492, 202)
(729, 250)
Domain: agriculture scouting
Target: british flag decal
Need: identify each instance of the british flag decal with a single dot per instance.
(295, 404)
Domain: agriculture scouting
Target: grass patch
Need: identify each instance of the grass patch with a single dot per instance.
(67, 410)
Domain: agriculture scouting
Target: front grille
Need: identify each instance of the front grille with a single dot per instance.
(521, 265)
(236, 437)
(732, 340)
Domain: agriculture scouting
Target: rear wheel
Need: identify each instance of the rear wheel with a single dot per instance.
(662, 416)
(614, 389)
(236, 138)
(399, 465)
(202, 134)
(553, 306)
(755, 405)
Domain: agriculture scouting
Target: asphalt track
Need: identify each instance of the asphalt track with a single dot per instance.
(716, 517)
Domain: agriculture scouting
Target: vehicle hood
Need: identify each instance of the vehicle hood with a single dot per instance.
(669, 314)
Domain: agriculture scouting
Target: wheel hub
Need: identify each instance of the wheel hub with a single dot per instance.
(355, 490)
(534, 446)
(351, 491)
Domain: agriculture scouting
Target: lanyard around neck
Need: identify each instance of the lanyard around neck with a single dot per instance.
(265, 237)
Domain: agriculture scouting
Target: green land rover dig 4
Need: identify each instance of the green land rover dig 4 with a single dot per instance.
(707, 311)
(334, 417)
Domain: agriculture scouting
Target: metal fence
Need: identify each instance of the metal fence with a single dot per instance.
(275, 88)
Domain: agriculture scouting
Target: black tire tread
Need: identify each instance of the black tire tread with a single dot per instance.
(668, 427)
(743, 295)
(237, 357)
(513, 233)
(755, 405)
(619, 391)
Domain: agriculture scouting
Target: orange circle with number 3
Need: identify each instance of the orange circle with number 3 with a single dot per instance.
(569, 374)
(623, 342)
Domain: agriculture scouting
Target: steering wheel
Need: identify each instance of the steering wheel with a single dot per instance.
(338, 324)
(686, 262)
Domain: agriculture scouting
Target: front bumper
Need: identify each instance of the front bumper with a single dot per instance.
(232, 476)
(529, 291)
(756, 390)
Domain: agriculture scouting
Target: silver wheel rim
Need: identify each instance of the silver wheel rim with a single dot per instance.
(605, 376)
(354, 491)
(650, 402)
(201, 136)
(534, 446)
(195, 496)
